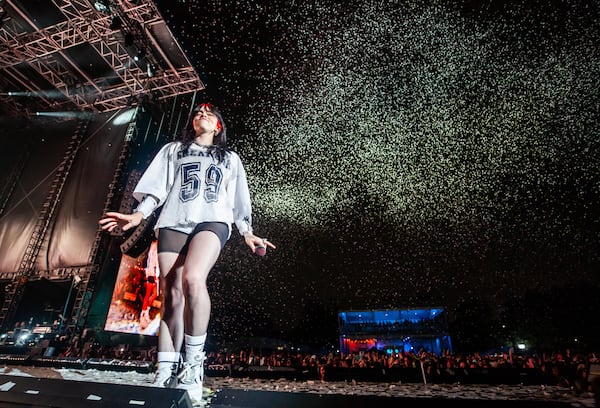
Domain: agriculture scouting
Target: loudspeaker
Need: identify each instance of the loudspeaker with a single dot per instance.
(17, 391)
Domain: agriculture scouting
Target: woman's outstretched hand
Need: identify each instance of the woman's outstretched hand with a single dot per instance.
(125, 221)
(255, 242)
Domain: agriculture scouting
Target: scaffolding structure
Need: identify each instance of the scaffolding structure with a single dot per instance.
(99, 57)
(86, 57)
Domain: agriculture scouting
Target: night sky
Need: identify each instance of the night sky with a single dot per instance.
(402, 154)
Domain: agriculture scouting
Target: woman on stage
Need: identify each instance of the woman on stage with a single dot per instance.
(202, 188)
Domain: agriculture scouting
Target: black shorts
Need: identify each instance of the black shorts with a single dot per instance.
(176, 241)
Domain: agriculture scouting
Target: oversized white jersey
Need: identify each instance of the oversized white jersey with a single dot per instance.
(192, 187)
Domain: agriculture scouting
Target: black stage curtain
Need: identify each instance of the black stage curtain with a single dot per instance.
(73, 227)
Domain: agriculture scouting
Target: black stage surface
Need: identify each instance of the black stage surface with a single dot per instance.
(264, 399)
(18, 391)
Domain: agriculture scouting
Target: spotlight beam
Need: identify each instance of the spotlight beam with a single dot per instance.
(17, 76)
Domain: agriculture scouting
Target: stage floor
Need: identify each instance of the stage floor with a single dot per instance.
(258, 393)
(235, 398)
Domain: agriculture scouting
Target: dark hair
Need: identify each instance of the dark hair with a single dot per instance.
(219, 147)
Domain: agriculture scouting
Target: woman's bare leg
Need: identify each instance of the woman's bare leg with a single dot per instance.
(170, 336)
(203, 252)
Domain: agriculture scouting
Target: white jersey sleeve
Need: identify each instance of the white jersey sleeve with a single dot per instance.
(158, 179)
(242, 206)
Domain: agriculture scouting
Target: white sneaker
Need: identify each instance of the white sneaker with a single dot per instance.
(166, 376)
(190, 379)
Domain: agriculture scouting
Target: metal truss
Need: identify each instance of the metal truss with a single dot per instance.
(45, 50)
(58, 274)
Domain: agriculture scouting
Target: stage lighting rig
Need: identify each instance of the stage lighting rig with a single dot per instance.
(102, 6)
(94, 54)
(150, 70)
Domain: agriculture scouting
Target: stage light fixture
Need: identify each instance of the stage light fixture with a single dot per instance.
(102, 6)
(140, 55)
(50, 94)
(150, 70)
(20, 93)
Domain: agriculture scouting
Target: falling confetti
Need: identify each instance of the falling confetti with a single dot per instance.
(402, 154)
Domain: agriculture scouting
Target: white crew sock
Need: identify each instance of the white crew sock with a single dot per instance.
(168, 359)
(194, 346)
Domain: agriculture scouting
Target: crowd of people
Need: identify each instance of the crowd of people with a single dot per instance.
(564, 369)
(575, 371)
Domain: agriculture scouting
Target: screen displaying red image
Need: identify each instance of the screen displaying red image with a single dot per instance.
(136, 300)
